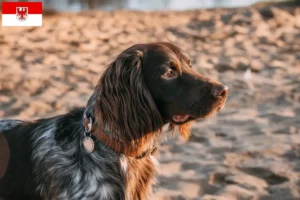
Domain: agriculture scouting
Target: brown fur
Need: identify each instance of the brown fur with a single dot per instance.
(123, 98)
(4, 155)
(139, 177)
(133, 101)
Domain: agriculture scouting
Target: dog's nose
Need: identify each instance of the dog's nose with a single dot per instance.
(220, 90)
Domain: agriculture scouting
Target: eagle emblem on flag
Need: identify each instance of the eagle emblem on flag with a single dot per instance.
(22, 13)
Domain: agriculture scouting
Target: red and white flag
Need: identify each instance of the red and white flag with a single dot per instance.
(22, 14)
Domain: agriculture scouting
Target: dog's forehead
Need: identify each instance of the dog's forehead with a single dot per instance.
(160, 49)
(164, 50)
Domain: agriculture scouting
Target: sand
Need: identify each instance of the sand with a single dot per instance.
(250, 150)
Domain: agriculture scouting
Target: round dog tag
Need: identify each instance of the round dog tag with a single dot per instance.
(88, 144)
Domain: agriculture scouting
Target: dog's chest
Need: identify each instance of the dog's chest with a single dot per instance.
(65, 171)
(139, 175)
(86, 180)
(128, 179)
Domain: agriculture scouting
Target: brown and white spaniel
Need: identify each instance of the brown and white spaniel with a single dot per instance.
(103, 151)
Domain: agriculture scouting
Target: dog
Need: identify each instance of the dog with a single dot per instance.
(104, 151)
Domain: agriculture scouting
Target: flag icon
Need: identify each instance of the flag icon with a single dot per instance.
(22, 14)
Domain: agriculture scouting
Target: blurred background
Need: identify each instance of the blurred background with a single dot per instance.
(79, 5)
(248, 151)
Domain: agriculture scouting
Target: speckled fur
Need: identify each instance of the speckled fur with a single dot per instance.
(6, 124)
(63, 170)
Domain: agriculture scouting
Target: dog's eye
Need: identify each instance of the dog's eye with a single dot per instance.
(170, 73)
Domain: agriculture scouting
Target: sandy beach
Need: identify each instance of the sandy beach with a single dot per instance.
(248, 151)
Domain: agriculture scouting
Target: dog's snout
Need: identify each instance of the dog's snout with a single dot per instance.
(220, 90)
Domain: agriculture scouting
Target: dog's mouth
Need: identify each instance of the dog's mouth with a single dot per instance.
(183, 118)
(199, 111)
(180, 118)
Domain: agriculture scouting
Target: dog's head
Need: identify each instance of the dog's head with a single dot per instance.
(149, 85)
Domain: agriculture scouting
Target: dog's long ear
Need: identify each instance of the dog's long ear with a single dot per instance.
(124, 105)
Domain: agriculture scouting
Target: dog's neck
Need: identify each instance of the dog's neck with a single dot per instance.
(107, 138)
